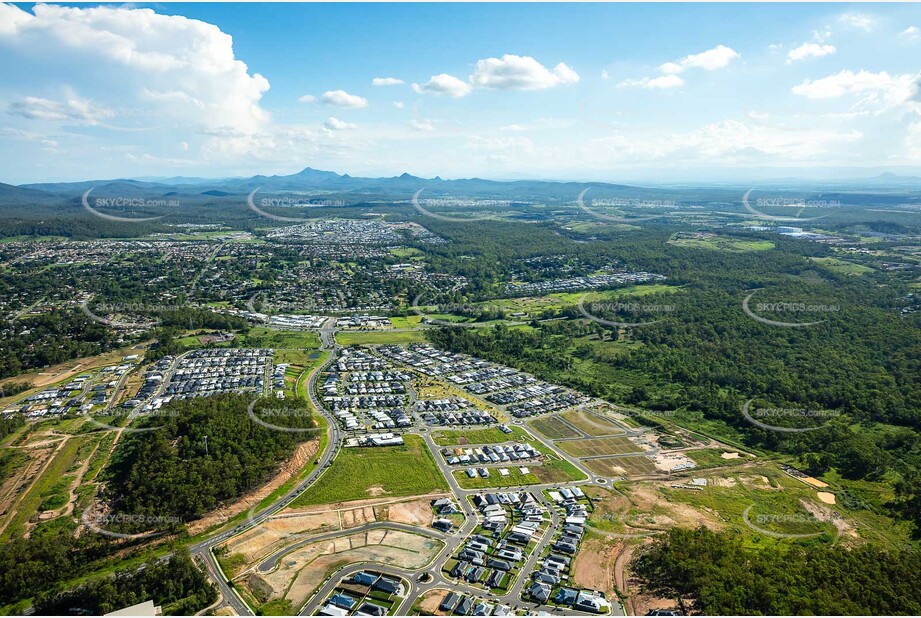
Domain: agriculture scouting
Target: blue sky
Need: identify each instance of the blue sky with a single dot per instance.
(598, 91)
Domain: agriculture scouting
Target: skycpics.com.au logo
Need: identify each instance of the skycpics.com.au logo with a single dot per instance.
(636, 525)
(765, 418)
(100, 523)
(785, 202)
(137, 413)
(125, 202)
(759, 522)
(620, 204)
(791, 308)
(265, 417)
(595, 309)
(455, 204)
(288, 202)
(453, 309)
(127, 308)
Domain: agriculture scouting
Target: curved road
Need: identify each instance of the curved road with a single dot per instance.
(203, 550)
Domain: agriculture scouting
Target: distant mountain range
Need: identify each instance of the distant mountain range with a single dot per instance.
(319, 182)
(308, 180)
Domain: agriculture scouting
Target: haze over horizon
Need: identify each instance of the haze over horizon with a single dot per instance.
(658, 95)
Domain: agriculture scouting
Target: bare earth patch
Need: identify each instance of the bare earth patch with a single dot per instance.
(304, 452)
(593, 567)
(302, 571)
(826, 497)
(414, 512)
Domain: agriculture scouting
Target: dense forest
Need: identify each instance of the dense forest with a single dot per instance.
(176, 584)
(724, 577)
(51, 554)
(205, 451)
(48, 339)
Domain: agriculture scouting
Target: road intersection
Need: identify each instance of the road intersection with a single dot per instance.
(434, 577)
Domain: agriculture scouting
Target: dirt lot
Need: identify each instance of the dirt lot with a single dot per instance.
(593, 567)
(414, 512)
(620, 466)
(292, 525)
(300, 573)
(428, 603)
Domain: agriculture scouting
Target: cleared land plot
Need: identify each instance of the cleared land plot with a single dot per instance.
(592, 447)
(723, 243)
(392, 471)
(554, 428)
(380, 337)
(713, 458)
(617, 466)
(592, 424)
(487, 435)
(261, 337)
(843, 267)
(302, 571)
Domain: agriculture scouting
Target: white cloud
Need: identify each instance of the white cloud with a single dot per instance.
(605, 74)
(72, 109)
(307, 98)
(341, 98)
(913, 141)
(183, 70)
(512, 127)
(444, 84)
(513, 72)
(653, 83)
(334, 124)
(421, 125)
(386, 81)
(717, 58)
(729, 141)
(878, 89)
(810, 50)
(911, 32)
(859, 21)
(398, 104)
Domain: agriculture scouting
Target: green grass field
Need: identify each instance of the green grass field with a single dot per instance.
(390, 471)
(591, 447)
(379, 337)
(723, 243)
(486, 435)
(712, 458)
(592, 424)
(553, 427)
(842, 267)
(261, 337)
(410, 321)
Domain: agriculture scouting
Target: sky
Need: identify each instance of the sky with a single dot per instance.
(609, 92)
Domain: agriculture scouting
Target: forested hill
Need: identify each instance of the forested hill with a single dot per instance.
(172, 473)
(726, 578)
